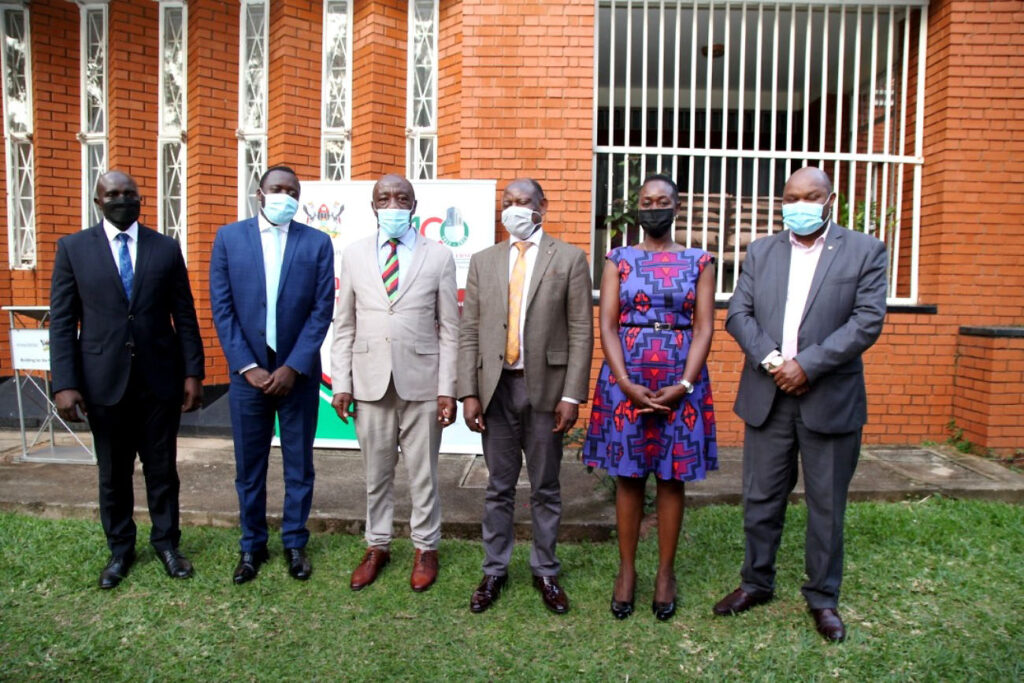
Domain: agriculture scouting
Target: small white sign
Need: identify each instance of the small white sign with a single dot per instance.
(30, 349)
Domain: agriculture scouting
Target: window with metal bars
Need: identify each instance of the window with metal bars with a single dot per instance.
(252, 103)
(336, 114)
(171, 154)
(730, 97)
(16, 56)
(93, 134)
(421, 126)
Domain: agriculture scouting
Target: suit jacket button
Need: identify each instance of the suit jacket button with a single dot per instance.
(131, 317)
(262, 333)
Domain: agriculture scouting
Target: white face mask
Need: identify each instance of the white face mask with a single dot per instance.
(518, 220)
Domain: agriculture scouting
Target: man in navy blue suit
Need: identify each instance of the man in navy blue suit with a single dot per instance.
(272, 296)
(125, 351)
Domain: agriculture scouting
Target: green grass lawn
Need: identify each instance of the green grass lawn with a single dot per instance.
(934, 590)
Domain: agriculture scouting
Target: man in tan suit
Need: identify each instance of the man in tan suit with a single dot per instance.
(395, 341)
(525, 344)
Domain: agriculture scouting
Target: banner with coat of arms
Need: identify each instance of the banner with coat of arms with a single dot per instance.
(457, 213)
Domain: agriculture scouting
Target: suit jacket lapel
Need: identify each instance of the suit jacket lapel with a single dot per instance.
(829, 251)
(544, 255)
(291, 245)
(781, 279)
(105, 259)
(407, 275)
(252, 235)
(142, 253)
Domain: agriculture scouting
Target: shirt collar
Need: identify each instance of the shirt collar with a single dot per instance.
(267, 225)
(407, 238)
(819, 240)
(111, 231)
(533, 239)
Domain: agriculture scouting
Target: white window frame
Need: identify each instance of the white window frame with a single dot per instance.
(93, 139)
(333, 134)
(169, 135)
(19, 257)
(419, 167)
(755, 216)
(244, 134)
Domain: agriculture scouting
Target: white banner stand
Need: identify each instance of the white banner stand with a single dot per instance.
(30, 357)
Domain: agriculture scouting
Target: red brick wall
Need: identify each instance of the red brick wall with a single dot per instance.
(988, 403)
(296, 44)
(515, 99)
(379, 36)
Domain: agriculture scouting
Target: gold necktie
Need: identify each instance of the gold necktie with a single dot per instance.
(515, 303)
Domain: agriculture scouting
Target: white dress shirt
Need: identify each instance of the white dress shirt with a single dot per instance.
(115, 244)
(406, 245)
(268, 233)
(803, 261)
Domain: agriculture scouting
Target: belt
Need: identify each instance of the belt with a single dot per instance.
(518, 372)
(660, 326)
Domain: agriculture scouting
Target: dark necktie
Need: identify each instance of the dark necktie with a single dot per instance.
(125, 264)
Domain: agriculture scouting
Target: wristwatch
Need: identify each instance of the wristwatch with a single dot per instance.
(773, 361)
(686, 384)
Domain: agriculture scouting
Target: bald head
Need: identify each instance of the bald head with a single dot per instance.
(810, 176)
(117, 197)
(393, 191)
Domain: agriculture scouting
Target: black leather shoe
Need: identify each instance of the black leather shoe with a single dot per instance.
(621, 609)
(176, 564)
(486, 594)
(249, 565)
(116, 569)
(664, 610)
(829, 624)
(739, 601)
(299, 565)
(554, 597)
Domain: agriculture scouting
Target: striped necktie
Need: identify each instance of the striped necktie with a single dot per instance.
(515, 303)
(390, 272)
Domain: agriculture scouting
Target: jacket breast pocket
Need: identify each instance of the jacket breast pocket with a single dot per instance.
(558, 357)
(427, 348)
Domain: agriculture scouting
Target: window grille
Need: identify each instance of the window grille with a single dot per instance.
(421, 126)
(93, 134)
(171, 160)
(730, 97)
(336, 114)
(252, 103)
(16, 56)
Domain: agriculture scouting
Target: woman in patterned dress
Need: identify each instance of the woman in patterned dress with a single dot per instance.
(652, 409)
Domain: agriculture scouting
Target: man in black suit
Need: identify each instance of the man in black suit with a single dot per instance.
(125, 351)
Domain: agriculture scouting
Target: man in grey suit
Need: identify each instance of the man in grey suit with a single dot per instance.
(395, 340)
(809, 302)
(525, 344)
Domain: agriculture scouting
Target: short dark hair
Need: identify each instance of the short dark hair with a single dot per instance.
(536, 187)
(661, 177)
(279, 167)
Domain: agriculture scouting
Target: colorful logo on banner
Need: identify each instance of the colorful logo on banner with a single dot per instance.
(451, 231)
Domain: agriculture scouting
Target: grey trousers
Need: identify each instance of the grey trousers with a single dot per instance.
(515, 429)
(381, 427)
(769, 475)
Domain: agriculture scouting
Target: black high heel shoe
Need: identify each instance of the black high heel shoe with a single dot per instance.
(664, 610)
(621, 610)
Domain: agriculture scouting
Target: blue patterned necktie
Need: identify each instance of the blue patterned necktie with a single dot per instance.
(125, 264)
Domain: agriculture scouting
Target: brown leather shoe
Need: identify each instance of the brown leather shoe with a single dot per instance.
(486, 594)
(375, 559)
(554, 597)
(424, 570)
(829, 624)
(739, 601)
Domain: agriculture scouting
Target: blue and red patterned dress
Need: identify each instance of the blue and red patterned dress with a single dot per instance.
(654, 287)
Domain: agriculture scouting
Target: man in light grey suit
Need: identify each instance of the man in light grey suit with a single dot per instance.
(809, 302)
(525, 344)
(395, 340)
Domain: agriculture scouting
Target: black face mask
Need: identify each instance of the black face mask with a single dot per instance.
(122, 212)
(656, 222)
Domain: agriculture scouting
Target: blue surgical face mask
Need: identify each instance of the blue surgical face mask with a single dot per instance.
(279, 208)
(804, 218)
(394, 222)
